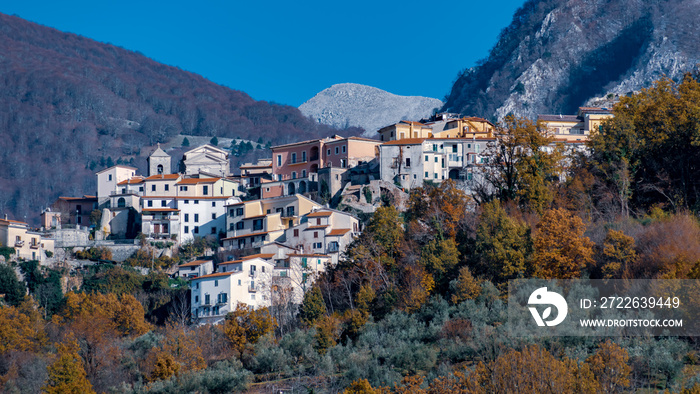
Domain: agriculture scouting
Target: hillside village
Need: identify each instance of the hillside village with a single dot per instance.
(276, 224)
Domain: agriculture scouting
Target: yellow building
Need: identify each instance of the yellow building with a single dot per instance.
(405, 129)
(467, 127)
(575, 127)
(28, 245)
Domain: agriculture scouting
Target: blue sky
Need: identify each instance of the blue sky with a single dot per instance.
(287, 51)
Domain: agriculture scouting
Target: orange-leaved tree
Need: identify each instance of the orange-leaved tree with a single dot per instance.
(561, 250)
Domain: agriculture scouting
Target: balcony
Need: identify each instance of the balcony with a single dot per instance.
(34, 245)
(125, 193)
(19, 243)
(252, 289)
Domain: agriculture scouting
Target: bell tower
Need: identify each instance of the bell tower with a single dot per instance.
(158, 162)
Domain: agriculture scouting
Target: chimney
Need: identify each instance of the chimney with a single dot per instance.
(5, 216)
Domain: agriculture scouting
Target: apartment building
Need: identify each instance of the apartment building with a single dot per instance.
(108, 179)
(258, 222)
(246, 281)
(403, 130)
(575, 127)
(412, 161)
(324, 231)
(28, 245)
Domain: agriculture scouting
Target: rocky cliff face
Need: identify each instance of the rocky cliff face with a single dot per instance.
(560, 54)
(348, 104)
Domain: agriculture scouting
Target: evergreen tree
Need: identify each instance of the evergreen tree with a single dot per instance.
(185, 142)
(214, 141)
(312, 307)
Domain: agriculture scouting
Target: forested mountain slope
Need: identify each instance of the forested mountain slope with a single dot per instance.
(73, 105)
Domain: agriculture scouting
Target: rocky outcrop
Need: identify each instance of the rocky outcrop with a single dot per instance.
(348, 104)
(558, 55)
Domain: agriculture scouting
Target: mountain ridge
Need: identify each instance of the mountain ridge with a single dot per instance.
(557, 55)
(355, 105)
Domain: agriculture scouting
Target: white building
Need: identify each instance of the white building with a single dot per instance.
(195, 269)
(245, 281)
(108, 179)
(323, 232)
(206, 160)
(412, 161)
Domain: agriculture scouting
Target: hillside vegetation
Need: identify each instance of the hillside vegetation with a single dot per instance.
(70, 101)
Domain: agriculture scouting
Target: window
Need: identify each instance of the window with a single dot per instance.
(239, 225)
(303, 173)
(414, 176)
(296, 232)
(294, 158)
(336, 150)
(153, 188)
(187, 229)
(163, 203)
(150, 203)
(231, 212)
(279, 160)
(196, 230)
(187, 217)
(216, 283)
(454, 148)
(223, 298)
(318, 245)
(196, 298)
(426, 157)
(268, 211)
(213, 204)
(332, 247)
(140, 188)
(344, 148)
(257, 224)
(196, 217)
(435, 175)
(183, 188)
(318, 221)
(343, 163)
(213, 216)
(290, 211)
(167, 187)
(426, 174)
(239, 282)
(239, 211)
(328, 153)
(408, 162)
(294, 175)
(315, 234)
(230, 227)
(434, 147)
(213, 230)
(303, 156)
(196, 201)
(206, 299)
(187, 201)
(110, 177)
(205, 190)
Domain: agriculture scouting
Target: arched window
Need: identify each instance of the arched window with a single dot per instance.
(121, 202)
(159, 169)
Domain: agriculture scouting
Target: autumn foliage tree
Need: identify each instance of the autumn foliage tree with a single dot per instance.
(561, 249)
(66, 374)
(646, 153)
(246, 325)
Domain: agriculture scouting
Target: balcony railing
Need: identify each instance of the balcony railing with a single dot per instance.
(19, 244)
(252, 289)
(34, 245)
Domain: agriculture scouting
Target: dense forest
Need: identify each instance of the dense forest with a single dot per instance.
(418, 303)
(71, 101)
